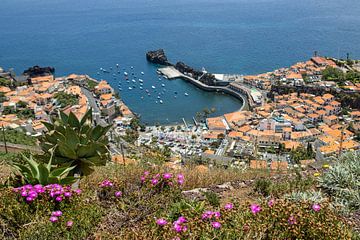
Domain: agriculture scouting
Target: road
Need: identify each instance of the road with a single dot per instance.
(93, 105)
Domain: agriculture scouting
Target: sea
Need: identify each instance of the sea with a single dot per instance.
(224, 36)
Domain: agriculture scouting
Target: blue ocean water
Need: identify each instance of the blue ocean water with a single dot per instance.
(225, 36)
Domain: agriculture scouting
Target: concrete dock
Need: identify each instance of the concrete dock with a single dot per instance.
(170, 72)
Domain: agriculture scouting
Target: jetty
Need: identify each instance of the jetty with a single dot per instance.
(171, 72)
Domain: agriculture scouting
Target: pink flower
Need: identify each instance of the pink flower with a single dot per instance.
(217, 214)
(56, 213)
(177, 228)
(161, 222)
(292, 220)
(180, 181)
(53, 219)
(271, 202)
(180, 176)
(216, 225)
(24, 193)
(167, 175)
(69, 224)
(146, 173)
(181, 220)
(154, 181)
(118, 194)
(78, 191)
(58, 199)
(229, 206)
(142, 178)
(29, 199)
(316, 207)
(67, 194)
(255, 208)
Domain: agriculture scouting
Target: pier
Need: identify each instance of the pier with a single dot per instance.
(171, 73)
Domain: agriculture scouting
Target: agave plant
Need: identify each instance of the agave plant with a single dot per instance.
(40, 173)
(76, 142)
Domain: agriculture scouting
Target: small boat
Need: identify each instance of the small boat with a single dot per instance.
(141, 84)
(126, 78)
(158, 97)
(175, 96)
(161, 101)
(142, 97)
(159, 78)
(153, 87)
(101, 69)
(141, 87)
(114, 74)
(132, 67)
(156, 102)
(186, 94)
(134, 80)
(148, 94)
(98, 73)
(163, 85)
(117, 65)
(142, 73)
(125, 73)
(140, 80)
(127, 81)
(146, 90)
(120, 89)
(130, 88)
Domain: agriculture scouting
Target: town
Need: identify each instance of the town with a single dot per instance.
(304, 114)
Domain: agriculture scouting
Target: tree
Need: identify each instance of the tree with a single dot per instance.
(76, 143)
(65, 99)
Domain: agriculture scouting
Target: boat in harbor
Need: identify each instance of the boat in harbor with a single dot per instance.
(146, 90)
(141, 87)
(134, 80)
(186, 94)
(158, 97)
(132, 67)
(161, 101)
(153, 87)
(163, 85)
(125, 73)
(142, 73)
(117, 65)
(130, 88)
(140, 80)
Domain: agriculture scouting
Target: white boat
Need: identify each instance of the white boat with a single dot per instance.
(140, 80)
(159, 78)
(186, 94)
(98, 73)
(148, 94)
(156, 102)
(130, 88)
(153, 87)
(120, 89)
(132, 67)
(142, 73)
(161, 101)
(146, 90)
(141, 87)
(125, 73)
(117, 65)
(142, 97)
(163, 85)
(133, 80)
(158, 97)
(141, 84)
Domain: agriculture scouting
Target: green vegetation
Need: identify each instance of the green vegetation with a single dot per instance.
(17, 137)
(5, 82)
(91, 84)
(334, 74)
(20, 113)
(65, 99)
(301, 153)
(73, 142)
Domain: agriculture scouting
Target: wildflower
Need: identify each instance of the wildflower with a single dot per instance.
(177, 228)
(167, 175)
(255, 208)
(69, 224)
(229, 206)
(184, 228)
(316, 207)
(271, 202)
(154, 181)
(118, 194)
(180, 181)
(56, 213)
(180, 176)
(58, 199)
(78, 191)
(157, 176)
(29, 199)
(161, 222)
(181, 219)
(216, 225)
(53, 219)
(326, 166)
(292, 220)
(24, 193)
(217, 214)
(146, 173)
(67, 194)
(317, 174)
(142, 178)
(106, 183)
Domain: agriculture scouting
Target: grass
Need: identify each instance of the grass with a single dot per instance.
(18, 137)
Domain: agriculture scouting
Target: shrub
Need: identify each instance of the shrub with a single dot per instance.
(341, 182)
(263, 186)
